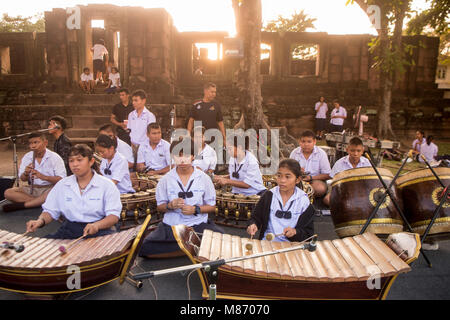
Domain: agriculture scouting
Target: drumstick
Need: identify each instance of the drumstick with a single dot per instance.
(64, 249)
(249, 245)
(270, 236)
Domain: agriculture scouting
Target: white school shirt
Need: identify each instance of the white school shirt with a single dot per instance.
(115, 79)
(429, 151)
(344, 164)
(300, 202)
(119, 172)
(419, 145)
(249, 173)
(101, 198)
(51, 165)
(87, 77)
(206, 159)
(321, 111)
(203, 194)
(338, 112)
(138, 125)
(317, 162)
(125, 149)
(99, 51)
(156, 159)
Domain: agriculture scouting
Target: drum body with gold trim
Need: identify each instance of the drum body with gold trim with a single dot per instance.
(354, 196)
(421, 194)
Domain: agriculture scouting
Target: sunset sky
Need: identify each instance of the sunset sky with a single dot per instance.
(333, 16)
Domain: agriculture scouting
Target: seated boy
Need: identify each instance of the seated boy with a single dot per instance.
(153, 157)
(122, 147)
(87, 82)
(313, 162)
(354, 159)
(48, 168)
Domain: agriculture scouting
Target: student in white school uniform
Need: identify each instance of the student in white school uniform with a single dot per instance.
(122, 147)
(113, 81)
(321, 109)
(354, 159)
(206, 158)
(87, 83)
(418, 143)
(244, 173)
(89, 202)
(284, 210)
(429, 150)
(338, 115)
(114, 166)
(139, 119)
(313, 162)
(153, 157)
(48, 168)
(185, 195)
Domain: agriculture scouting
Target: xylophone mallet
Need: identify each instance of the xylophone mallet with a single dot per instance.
(64, 249)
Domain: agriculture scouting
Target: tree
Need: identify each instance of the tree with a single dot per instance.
(248, 15)
(390, 54)
(297, 22)
(434, 22)
(22, 24)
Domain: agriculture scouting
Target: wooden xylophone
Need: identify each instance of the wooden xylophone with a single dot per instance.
(42, 269)
(337, 269)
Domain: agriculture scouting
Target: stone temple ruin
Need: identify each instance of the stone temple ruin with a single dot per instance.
(40, 72)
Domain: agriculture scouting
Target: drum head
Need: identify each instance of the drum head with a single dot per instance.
(362, 172)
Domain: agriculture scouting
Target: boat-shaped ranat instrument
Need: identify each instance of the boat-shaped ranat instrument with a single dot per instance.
(359, 267)
(41, 269)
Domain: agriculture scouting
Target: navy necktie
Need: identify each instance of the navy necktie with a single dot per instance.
(185, 194)
(284, 214)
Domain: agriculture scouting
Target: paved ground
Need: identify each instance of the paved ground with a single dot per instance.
(421, 283)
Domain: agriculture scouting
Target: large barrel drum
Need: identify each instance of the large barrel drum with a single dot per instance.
(421, 194)
(354, 195)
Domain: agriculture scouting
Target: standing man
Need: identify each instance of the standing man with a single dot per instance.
(99, 51)
(208, 111)
(321, 109)
(120, 113)
(338, 115)
(62, 143)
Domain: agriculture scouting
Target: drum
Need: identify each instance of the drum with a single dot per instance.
(421, 194)
(354, 195)
(136, 207)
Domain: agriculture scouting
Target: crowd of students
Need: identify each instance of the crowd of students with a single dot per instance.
(67, 182)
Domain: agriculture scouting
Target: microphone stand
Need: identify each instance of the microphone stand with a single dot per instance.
(211, 267)
(13, 139)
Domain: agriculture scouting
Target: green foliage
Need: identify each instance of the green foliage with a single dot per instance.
(297, 22)
(22, 24)
(434, 22)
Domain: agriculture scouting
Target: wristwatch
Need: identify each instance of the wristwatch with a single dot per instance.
(197, 210)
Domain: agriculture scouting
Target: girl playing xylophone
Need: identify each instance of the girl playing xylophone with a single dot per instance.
(185, 195)
(284, 210)
(89, 202)
(114, 166)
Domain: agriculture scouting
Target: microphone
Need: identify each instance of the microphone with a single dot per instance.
(312, 245)
(12, 246)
